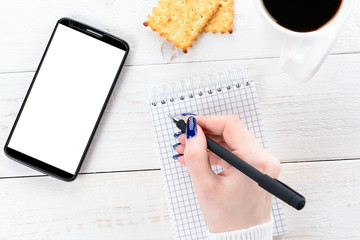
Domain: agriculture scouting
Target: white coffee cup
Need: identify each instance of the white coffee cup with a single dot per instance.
(304, 52)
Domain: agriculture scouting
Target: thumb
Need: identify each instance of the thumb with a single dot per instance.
(196, 155)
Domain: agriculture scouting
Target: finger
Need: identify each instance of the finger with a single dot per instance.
(230, 127)
(210, 134)
(196, 156)
(216, 138)
(213, 158)
(182, 138)
(213, 124)
(219, 139)
(181, 160)
(180, 149)
(223, 144)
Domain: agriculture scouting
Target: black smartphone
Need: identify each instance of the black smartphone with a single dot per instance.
(66, 99)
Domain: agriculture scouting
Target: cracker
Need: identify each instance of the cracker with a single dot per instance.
(222, 20)
(181, 21)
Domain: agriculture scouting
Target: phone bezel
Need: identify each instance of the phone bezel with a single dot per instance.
(36, 163)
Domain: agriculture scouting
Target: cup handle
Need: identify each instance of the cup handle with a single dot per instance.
(302, 57)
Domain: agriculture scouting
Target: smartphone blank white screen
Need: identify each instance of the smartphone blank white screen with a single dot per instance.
(66, 99)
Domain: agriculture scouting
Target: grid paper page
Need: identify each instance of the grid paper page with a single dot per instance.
(241, 100)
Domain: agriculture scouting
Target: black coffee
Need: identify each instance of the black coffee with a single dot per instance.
(302, 15)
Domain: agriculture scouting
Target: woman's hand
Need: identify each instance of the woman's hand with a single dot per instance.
(229, 200)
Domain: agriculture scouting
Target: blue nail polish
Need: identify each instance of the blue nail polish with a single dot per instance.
(191, 127)
(175, 145)
(177, 155)
(176, 135)
(187, 114)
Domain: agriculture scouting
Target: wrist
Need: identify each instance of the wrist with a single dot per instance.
(231, 225)
(224, 219)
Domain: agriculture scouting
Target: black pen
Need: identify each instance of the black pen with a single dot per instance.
(272, 185)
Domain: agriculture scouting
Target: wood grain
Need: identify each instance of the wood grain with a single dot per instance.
(316, 120)
(101, 206)
(132, 205)
(332, 190)
(26, 27)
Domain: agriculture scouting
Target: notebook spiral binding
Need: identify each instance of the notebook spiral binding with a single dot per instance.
(200, 85)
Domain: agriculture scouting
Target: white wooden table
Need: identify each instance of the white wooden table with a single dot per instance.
(313, 128)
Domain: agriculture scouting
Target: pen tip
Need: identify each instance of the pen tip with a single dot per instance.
(174, 119)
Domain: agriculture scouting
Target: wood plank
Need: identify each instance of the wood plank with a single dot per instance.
(332, 191)
(316, 120)
(108, 206)
(27, 25)
(132, 205)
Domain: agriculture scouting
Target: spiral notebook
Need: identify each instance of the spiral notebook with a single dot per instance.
(228, 92)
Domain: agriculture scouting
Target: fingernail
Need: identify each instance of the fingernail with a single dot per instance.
(177, 155)
(175, 145)
(190, 127)
(176, 135)
(187, 114)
